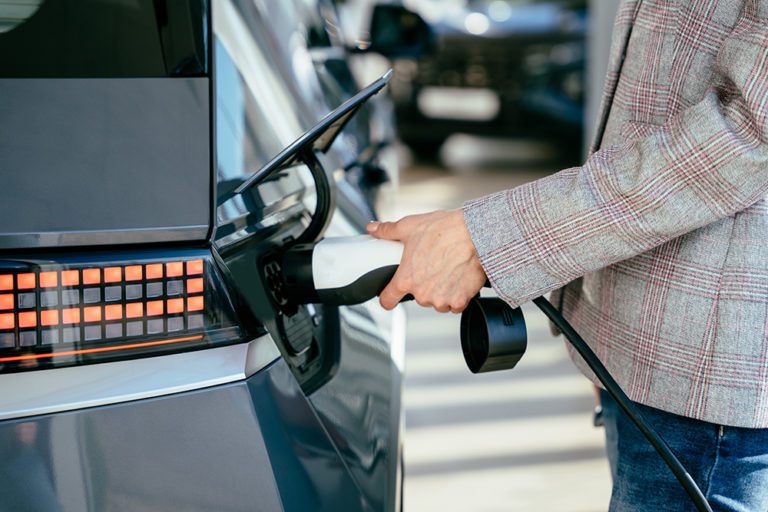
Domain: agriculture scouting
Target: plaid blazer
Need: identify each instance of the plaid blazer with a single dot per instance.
(658, 244)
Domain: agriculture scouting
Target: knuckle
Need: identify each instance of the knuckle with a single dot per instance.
(459, 305)
(421, 302)
(441, 302)
(421, 298)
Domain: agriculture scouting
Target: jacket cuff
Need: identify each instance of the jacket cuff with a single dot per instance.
(494, 224)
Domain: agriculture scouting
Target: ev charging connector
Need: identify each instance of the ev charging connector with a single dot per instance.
(351, 270)
(339, 271)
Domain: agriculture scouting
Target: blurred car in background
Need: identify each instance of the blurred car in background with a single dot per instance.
(496, 67)
(147, 360)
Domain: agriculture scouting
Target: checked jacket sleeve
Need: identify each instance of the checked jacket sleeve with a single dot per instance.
(707, 162)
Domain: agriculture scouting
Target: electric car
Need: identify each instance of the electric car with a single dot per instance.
(498, 68)
(149, 360)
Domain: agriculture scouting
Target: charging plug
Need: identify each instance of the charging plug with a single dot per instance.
(340, 271)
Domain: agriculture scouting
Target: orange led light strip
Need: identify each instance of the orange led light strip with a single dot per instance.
(113, 274)
(190, 273)
(145, 344)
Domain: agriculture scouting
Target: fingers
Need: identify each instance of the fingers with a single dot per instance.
(457, 306)
(391, 297)
(398, 288)
(394, 292)
(438, 266)
(401, 285)
(385, 230)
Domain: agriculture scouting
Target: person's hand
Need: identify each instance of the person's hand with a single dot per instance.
(439, 267)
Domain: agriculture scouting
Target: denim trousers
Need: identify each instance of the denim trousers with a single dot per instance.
(729, 464)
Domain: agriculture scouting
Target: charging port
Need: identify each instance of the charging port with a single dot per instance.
(299, 325)
(273, 278)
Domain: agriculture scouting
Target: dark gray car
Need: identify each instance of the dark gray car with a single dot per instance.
(147, 362)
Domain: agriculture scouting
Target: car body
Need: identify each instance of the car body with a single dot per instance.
(498, 68)
(145, 363)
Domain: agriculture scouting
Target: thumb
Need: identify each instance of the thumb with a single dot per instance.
(385, 230)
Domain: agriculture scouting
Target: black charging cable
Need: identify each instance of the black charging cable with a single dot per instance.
(613, 389)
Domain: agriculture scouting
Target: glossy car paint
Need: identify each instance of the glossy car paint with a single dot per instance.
(260, 443)
(251, 445)
(360, 403)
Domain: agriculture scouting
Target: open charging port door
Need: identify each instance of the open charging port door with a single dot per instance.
(307, 334)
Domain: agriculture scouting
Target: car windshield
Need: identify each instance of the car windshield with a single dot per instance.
(102, 38)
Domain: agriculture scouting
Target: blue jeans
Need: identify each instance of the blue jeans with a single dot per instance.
(729, 464)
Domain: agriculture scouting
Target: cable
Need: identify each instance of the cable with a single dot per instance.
(621, 398)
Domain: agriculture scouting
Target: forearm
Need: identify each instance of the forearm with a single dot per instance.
(706, 164)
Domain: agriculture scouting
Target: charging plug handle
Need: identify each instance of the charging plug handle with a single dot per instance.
(339, 271)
